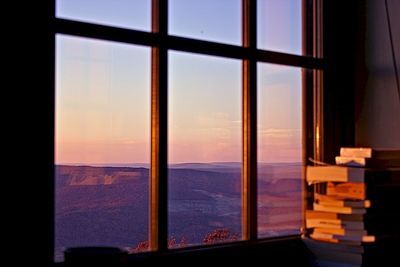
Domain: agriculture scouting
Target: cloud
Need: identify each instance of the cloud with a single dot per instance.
(279, 132)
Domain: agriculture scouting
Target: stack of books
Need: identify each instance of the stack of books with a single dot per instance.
(368, 157)
(355, 215)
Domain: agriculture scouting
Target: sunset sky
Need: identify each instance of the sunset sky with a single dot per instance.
(103, 88)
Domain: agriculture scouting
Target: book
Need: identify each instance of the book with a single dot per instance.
(338, 256)
(371, 243)
(373, 223)
(340, 231)
(367, 162)
(327, 263)
(368, 260)
(338, 201)
(316, 245)
(336, 224)
(334, 174)
(352, 217)
(314, 214)
(368, 152)
(377, 194)
(341, 210)
(338, 238)
(350, 190)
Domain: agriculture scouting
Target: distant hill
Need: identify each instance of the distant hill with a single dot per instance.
(109, 205)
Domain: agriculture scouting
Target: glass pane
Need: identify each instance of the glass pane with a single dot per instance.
(279, 25)
(127, 14)
(102, 144)
(210, 20)
(204, 150)
(279, 150)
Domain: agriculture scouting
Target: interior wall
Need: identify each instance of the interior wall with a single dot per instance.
(377, 113)
(342, 35)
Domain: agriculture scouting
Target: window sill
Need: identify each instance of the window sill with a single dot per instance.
(287, 251)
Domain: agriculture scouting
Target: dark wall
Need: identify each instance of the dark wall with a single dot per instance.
(30, 171)
(362, 101)
(343, 47)
(378, 102)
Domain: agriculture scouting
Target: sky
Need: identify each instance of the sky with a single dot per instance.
(103, 88)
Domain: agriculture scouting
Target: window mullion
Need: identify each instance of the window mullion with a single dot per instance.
(159, 169)
(249, 170)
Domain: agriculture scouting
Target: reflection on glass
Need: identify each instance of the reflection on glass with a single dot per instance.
(279, 25)
(210, 20)
(129, 14)
(204, 150)
(279, 150)
(102, 144)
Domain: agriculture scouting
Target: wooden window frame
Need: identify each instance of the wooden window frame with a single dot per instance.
(160, 43)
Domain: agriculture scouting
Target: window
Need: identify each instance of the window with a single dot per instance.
(279, 25)
(102, 143)
(279, 148)
(204, 147)
(122, 13)
(186, 132)
(202, 20)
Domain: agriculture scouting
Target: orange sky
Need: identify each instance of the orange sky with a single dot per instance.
(103, 92)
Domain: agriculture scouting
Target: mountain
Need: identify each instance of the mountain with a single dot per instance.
(109, 205)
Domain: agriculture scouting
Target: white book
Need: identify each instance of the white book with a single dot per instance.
(365, 152)
(367, 162)
(368, 152)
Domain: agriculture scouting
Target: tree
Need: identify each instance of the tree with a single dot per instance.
(214, 237)
(219, 236)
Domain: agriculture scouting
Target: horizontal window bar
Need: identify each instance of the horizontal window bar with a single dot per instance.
(183, 44)
(289, 60)
(108, 33)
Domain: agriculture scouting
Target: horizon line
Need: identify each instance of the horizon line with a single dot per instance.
(177, 163)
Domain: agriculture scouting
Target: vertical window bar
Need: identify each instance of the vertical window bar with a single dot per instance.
(249, 76)
(159, 169)
(318, 90)
(318, 81)
(307, 101)
(307, 80)
(49, 75)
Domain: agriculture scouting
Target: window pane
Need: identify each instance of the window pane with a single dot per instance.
(210, 20)
(279, 150)
(279, 25)
(130, 14)
(204, 150)
(102, 144)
